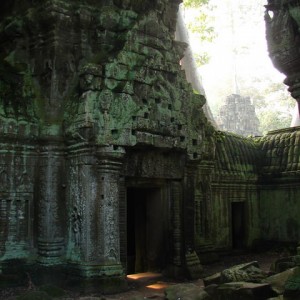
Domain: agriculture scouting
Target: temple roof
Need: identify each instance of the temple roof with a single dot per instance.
(237, 155)
(275, 154)
(281, 151)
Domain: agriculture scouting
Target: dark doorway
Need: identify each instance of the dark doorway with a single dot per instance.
(238, 225)
(146, 230)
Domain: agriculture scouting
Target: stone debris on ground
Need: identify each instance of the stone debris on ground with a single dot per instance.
(242, 281)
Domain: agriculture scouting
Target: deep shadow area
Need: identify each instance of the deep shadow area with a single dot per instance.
(238, 225)
(146, 230)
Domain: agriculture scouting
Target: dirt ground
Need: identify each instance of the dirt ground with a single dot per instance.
(152, 285)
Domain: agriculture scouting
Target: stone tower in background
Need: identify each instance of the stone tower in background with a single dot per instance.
(238, 115)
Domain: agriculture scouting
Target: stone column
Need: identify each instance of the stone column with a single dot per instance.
(50, 206)
(192, 262)
(123, 221)
(110, 167)
(204, 185)
(189, 207)
(93, 212)
(82, 208)
(177, 234)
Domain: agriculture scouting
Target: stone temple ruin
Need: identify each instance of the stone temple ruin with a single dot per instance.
(108, 163)
(238, 115)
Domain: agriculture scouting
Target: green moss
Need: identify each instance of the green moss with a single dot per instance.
(219, 136)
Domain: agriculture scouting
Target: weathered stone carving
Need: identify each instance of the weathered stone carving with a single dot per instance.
(76, 226)
(95, 109)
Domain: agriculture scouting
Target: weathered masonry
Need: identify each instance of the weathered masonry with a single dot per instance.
(108, 165)
(100, 139)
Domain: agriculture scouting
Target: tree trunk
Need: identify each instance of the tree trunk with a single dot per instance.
(189, 65)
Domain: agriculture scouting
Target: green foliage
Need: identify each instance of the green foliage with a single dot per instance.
(272, 120)
(201, 27)
(195, 3)
(201, 59)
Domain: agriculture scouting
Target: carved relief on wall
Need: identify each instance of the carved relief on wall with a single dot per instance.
(24, 183)
(4, 209)
(110, 215)
(83, 216)
(4, 180)
(16, 229)
(22, 219)
(76, 225)
(176, 200)
(16, 203)
(203, 204)
(76, 214)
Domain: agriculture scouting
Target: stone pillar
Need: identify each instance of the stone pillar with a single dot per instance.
(93, 212)
(50, 206)
(192, 261)
(110, 168)
(177, 234)
(203, 210)
(82, 209)
(189, 207)
(123, 221)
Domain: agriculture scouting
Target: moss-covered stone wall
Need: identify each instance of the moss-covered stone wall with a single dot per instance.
(279, 212)
(280, 189)
(234, 178)
(262, 173)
